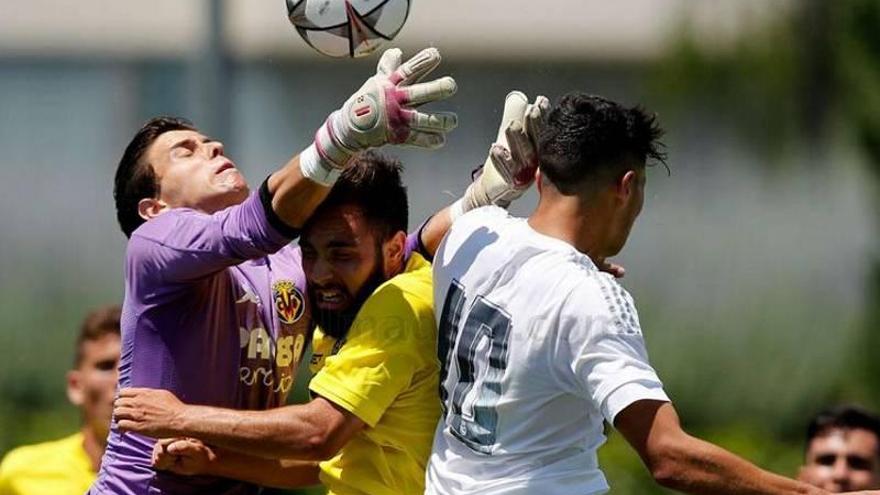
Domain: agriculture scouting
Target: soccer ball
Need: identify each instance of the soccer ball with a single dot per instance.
(347, 28)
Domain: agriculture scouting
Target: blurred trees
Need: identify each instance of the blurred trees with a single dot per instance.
(791, 89)
(858, 62)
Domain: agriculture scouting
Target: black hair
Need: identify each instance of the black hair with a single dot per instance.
(845, 417)
(98, 323)
(588, 137)
(374, 183)
(135, 178)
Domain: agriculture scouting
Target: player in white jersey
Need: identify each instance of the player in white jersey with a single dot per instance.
(539, 347)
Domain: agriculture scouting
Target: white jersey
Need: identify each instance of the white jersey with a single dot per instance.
(540, 347)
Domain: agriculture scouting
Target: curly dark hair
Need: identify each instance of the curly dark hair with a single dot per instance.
(101, 321)
(374, 183)
(136, 179)
(589, 137)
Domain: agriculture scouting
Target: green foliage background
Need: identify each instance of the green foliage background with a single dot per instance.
(790, 90)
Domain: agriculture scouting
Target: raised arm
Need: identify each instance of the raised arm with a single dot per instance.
(507, 173)
(181, 245)
(381, 112)
(684, 463)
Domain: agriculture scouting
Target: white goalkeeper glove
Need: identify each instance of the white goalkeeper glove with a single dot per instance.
(382, 112)
(509, 170)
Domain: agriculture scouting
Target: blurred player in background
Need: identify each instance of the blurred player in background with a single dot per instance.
(539, 347)
(68, 466)
(843, 450)
(375, 403)
(215, 307)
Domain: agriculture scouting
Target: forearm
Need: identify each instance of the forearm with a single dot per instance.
(274, 473)
(291, 431)
(698, 467)
(294, 197)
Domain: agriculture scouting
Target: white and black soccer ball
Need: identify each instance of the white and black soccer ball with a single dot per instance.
(347, 28)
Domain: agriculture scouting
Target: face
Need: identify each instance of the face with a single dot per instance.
(92, 385)
(631, 197)
(344, 262)
(193, 172)
(843, 460)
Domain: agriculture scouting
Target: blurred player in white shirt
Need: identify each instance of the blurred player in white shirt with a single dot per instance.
(538, 347)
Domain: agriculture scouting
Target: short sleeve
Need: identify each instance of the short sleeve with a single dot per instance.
(608, 355)
(377, 361)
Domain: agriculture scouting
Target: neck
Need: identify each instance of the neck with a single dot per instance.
(567, 218)
(397, 270)
(94, 446)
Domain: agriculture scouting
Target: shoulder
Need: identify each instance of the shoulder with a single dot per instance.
(393, 301)
(177, 228)
(484, 213)
(599, 298)
(475, 230)
(412, 289)
(35, 457)
(486, 216)
(400, 308)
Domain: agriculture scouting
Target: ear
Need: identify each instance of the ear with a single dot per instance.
(74, 388)
(150, 208)
(393, 251)
(539, 180)
(626, 185)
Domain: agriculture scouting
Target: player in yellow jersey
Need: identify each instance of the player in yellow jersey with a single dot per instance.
(68, 466)
(375, 404)
(384, 371)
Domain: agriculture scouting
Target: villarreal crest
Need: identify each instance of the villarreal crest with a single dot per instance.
(289, 301)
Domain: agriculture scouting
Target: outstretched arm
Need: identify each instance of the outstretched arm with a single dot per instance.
(312, 431)
(684, 463)
(381, 112)
(506, 174)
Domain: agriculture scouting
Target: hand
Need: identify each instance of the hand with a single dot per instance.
(187, 456)
(509, 170)
(383, 112)
(152, 412)
(614, 269)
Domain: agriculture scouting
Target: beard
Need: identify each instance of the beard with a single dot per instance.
(338, 322)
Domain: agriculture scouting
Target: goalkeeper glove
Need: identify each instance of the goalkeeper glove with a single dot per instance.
(382, 111)
(510, 168)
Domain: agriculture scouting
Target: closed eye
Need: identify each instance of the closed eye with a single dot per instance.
(184, 147)
(343, 254)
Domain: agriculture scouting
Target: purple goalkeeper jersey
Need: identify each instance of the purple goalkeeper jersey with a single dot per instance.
(215, 311)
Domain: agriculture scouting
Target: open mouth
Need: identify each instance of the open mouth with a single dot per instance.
(223, 168)
(332, 299)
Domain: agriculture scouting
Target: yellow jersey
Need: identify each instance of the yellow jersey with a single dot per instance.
(385, 371)
(61, 467)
